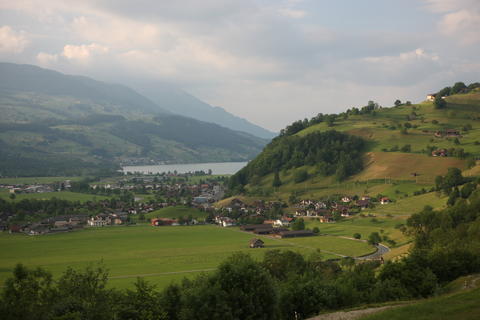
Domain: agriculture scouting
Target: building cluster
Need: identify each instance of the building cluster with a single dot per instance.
(329, 211)
(36, 187)
(56, 224)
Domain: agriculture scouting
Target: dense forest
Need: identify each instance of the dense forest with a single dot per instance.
(331, 152)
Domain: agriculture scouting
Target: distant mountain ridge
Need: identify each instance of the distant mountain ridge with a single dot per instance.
(180, 102)
(54, 123)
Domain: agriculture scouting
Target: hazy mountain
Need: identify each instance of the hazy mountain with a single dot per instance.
(54, 123)
(175, 100)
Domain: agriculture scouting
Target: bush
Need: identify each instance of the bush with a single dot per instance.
(357, 235)
(300, 176)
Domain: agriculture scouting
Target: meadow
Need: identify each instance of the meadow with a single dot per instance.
(159, 254)
(177, 212)
(62, 195)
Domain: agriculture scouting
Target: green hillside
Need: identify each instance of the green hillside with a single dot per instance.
(395, 156)
(55, 124)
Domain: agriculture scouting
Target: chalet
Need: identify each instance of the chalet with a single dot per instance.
(256, 243)
(366, 198)
(326, 218)
(346, 199)
(385, 200)
(99, 220)
(452, 133)
(363, 204)
(283, 222)
(295, 234)
(157, 222)
(431, 96)
(225, 221)
(439, 153)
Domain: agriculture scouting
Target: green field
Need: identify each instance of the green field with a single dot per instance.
(177, 212)
(461, 306)
(62, 195)
(33, 180)
(362, 225)
(160, 254)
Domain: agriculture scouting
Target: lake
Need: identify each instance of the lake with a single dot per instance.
(216, 167)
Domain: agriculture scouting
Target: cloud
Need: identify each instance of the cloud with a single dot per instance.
(46, 59)
(12, 41)
(83, 52)
(460, 19)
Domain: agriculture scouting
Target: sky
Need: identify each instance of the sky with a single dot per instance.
(269, 61)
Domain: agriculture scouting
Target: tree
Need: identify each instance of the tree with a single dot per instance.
(316, 230)
(298, 224)
(276, 180)
(397, 103)
(357, 235)
(439, 103)
(406, 148)
(28, 295)
(12, 196)
(458, 87)
(374, 238)
(454, 195)
(300, 175)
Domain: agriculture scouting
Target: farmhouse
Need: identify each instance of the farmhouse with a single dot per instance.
(295, 234)
(431, 96)
(385, 200)
(363, 204)
(99, 220)
(256, 243)
(439, 153)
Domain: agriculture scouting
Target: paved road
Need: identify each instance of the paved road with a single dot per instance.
(381, 250)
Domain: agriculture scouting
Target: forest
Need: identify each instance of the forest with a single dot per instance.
(332, 152)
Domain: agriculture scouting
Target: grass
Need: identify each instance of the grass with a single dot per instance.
(462, 306)
(177, 212)
(156, 253)
(33, 180)
(62, 195)
(362, 225)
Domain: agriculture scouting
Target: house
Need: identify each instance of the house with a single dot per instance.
(99, 220)
(295, 234)
(452, 133)
(326, 218)
(363, 204)
(431, 96)
(256, 243)
(157, 222)
(346, 199)
(385, 200)
(439, 153)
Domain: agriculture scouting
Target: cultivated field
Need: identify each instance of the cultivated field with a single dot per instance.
(160, 254)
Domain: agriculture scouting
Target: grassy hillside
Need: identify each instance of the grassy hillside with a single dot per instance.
(461, 306)
(399, 141)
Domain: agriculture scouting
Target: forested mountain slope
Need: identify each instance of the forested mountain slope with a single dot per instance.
(59, 124)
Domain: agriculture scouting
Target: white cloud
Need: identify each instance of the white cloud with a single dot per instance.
(83, 52)
(12, 41)
(460, 19)
(47, 59)
(292, 13)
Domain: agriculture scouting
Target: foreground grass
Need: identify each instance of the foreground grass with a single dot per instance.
(159, 254)
(463, 306)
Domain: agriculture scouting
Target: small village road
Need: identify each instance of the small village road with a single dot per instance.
(381, 250)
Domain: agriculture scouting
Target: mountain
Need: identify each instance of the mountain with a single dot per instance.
(407, 143)
(54, 123)
(180, 102)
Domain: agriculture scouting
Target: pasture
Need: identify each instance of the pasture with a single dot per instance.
(159, 254)
(62, 195)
